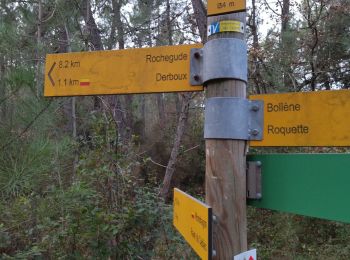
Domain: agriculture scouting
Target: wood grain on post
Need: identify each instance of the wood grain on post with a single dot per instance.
(225, 179)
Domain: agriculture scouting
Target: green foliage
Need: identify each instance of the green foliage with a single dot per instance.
(102, 212)
(19, 78)
(286, 236)
(20, 172)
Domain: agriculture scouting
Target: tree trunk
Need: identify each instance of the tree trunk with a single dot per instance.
(69, 107)
(201, 17)
(255, 52)
(121, 104)
(312, 25)
(200, 14)
(161, 110)
(168, 23)
(285, 44)
(285, 15)
(74, 136)
(170, 169)
(118, 19)
(94, 36)
(3, 102)
(38, 54)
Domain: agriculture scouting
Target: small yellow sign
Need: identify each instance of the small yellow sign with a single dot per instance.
(216, 7)
(225, 26)
(231, 26)
(131, 71)
(306, 119)
(193, 220)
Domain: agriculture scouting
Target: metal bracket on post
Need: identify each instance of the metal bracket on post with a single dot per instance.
(254, 190)
(234, 118)
(224, 58)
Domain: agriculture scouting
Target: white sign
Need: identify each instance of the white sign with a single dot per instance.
(249, 255)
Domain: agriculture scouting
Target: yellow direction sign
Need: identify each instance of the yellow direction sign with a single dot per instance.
(306, 119)
(216, 7)
(145, 70)
(193, 220)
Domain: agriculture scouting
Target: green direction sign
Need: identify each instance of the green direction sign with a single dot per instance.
(315, 185)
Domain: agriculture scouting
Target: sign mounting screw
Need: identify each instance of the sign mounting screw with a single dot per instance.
(254, 132)
(196, 77)
(197, 55)
(255, 108)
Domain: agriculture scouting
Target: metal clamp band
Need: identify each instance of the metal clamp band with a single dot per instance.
(224, 58)
(234, 118)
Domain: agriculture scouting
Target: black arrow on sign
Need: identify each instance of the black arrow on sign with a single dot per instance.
(49, 74)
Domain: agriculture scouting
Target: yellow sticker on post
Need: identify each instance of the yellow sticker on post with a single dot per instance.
(193, 219)
(225, 26)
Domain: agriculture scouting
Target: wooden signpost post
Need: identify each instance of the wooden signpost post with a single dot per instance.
(225, 179)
